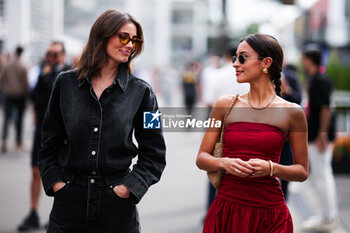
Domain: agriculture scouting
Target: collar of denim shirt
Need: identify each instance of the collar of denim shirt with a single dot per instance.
(122, 78)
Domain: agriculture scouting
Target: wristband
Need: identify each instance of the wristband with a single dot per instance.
(271, 168)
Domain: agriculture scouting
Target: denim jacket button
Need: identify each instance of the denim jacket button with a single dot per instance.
(93, 152)
(95, 129)
(92, 181)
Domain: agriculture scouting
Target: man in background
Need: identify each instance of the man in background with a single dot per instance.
(54, 64)
(321, 128)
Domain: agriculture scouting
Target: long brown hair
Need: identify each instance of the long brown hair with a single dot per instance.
(94, 54)
(268, 46)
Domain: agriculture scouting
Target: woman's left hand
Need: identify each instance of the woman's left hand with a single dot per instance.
(122, 191)
(261, 167)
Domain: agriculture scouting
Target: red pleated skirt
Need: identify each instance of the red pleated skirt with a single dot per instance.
(227, 217)
(250, 205)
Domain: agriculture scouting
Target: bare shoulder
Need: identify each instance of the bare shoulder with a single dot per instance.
(293, 109)
(223, 101)
(296, 115)
(220, 107)
(280, 102)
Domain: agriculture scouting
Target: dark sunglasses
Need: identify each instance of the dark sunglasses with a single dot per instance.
(242, 58)
(125, 38)
(52, 54)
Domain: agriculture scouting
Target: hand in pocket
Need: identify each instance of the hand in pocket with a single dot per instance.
(58, 186)
(121, 191)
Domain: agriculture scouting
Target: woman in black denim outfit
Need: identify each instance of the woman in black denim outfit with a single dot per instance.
(87, 145)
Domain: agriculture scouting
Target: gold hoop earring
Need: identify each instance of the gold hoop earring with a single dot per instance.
(265, 71)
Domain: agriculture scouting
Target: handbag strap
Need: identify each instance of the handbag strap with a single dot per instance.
(226, 115)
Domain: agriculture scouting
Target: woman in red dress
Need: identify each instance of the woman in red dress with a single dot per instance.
(249, 198)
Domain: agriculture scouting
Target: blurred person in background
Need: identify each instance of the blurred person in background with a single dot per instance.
(226, 80)
(250, 198)
(321, 124)
(225, 83)
(34, 72)
(207, 80)
(14, 86)
(87, 134)
(290, 91)
(52, 65)
(190, 78)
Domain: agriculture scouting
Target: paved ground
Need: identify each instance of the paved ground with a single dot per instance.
(175, 205)
(303, 203)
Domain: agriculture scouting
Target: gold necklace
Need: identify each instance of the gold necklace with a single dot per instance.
(260, 108)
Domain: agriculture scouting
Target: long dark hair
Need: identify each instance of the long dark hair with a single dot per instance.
(268, 46)
(94, 54)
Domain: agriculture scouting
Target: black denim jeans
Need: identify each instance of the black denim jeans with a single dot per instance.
(88, 204)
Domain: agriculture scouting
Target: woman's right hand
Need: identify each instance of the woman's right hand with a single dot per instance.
(59, 185)
(237, 167)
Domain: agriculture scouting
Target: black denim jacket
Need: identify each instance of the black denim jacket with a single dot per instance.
(87, 136)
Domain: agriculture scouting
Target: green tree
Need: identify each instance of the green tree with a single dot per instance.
(339, 71)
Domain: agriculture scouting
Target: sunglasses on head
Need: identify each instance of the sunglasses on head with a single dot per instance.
(125, 39)
(242, 58)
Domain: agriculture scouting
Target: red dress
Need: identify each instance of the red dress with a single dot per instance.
(250, 205)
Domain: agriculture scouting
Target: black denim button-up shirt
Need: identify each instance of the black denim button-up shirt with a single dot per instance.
(90, 136)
